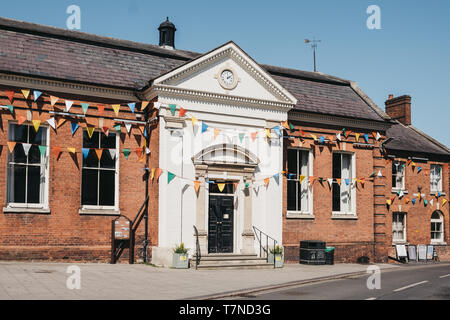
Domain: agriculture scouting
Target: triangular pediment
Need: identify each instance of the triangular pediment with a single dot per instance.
(227, 71)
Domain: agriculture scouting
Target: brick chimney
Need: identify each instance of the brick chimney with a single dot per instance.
(399, 108)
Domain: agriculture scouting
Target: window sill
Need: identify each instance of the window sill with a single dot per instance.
(99, 212)
(438, 243)
(393, 190)
(299, 215)
(400, 242)
(344, 216)
(26, 210)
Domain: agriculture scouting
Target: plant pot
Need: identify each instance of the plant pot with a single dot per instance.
(180, 261)
(279, 259)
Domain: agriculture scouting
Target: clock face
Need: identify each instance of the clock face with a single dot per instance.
(227, 77)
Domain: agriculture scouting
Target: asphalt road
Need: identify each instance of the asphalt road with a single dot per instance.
(414, 282)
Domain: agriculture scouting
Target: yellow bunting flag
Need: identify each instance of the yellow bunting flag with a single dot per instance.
(90, 131)
(194, 120)
(196, 186)
(11, 145)
(286, 125)
(144, 104)
(116, 108)
(216, 132)
(36, 124)
(25, 93)
(357, 137)
(152, 174)
(313, 136)
(221, 186)
(53, 100)
(406, 200)
(444, 201)
(72, 150)
(99, 153)
(268, 134)
(301, 178)
(388, 202)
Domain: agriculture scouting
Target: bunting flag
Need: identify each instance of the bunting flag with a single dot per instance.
(157, 105)
(132, 106)
(431, 202)
(221, 186)
(347, 181)
(11, 108)
(170, 176)
(372, 175)
(85, 152)
(53, 100)
(292, 126)
(362, 180)
(74, 127)
(158, 173)
(138, 152)
(72, 150)
(36, 124)
(128, 126)
(152, 174)
(99, 153)
(425, 202)
(313, 136)
(407, 200)
(286, 125)
(173, 108)
(182, 113)
(241, 136)
(301, 178)
(277, 131)
(268, 133)
(144, 104)
(112, 153)
(117, 127)
(60, 122)
(357, 137)
(36, 95)
(379, 174)
(26, 148)
(196, 186)
(204, 127)
(266, 181)
(10, 95)
(85, 107)
(413, 201)
(311, 180)
(90, 131)
(116, 108)
(444, 201)
(25, 93)
(56, 151)
(43, 150)
(330, 182)
(101, 109)
(216, 133)
(366, 137)
(51, 122)
(253, 135)
(419, 169)
(194, 120)
(338, 181)
(389, 202)
(321, 139)
(126, 153)
(105, 131)
(68, 105)
(11, 146)
(338, 136)
(302, 133)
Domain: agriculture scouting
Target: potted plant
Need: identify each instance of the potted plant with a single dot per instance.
(180, 257)
(276, 256)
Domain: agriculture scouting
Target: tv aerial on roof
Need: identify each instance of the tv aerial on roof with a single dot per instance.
(314, 43)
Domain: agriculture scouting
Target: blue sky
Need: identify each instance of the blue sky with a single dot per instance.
(409, 55)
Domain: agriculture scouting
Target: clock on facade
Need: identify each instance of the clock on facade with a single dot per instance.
(227, 78)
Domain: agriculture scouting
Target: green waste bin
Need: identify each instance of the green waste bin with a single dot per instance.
(329, 255)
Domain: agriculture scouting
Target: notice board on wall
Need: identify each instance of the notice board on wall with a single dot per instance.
(422, 251)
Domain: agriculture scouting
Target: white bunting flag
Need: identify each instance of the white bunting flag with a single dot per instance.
(26, 148)
(330, 181)
(338, 136)
(157, 105)
(379, 174)
(51, 122)
(68, 105)
(128, 126)
(431, 202)
(147, 150)
(113, 153)
(378, 136)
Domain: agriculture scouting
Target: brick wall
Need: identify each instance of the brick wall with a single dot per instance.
(351, 238)
(64, 234)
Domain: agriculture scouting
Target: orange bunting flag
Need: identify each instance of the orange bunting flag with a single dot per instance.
(182, 112)
(10, 95)
(266, 181)
(53, 100)
(286, 125)
(302, 133)
(363, 180)
(138, 152)
(338, 181)
(21, 119)
(99, 153)
(196, 186)
(56, 151)
(311, 180)
(11, 145)
(116, 108)
(235, 186)
(101, 109)
(253, 135)
(406, 200)
(144, 104)
(221, 186)
(158, 173)
(216, 132)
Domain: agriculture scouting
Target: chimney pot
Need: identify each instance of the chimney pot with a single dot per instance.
(391, 96)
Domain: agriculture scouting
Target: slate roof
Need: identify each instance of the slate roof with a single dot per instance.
(32, 49)
(411, 139)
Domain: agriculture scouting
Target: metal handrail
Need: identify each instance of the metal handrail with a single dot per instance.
(198, 254)
(261, 246)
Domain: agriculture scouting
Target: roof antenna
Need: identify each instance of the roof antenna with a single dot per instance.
(314, 43)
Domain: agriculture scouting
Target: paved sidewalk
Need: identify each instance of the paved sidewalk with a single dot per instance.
(36, 280)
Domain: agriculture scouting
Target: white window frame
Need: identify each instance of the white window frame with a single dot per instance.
(351, 214)
(439, 184)
(307, 171)
(441, 221)
(395, 188)
(396, 230)
(31, 207)
(104, 210)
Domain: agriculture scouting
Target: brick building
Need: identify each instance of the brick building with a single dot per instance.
(230, 146)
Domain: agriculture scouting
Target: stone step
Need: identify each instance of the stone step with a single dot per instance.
(247, 265)
(231, 261)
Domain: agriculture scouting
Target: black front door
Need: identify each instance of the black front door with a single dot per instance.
(220, 225)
